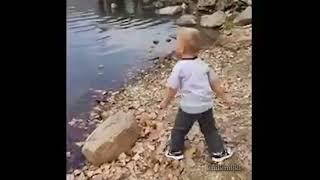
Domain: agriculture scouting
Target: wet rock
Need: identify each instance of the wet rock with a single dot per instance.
(206, 4)
(105, 115)
(146, 1)
(68, 154)
(114, 5)
(170, 10)
(221, 5)
(70, 177)
(158, 4)
(115, 135)
(76, 172)
(187, 20)
(214, 20)
(244, 18)
(79, 144)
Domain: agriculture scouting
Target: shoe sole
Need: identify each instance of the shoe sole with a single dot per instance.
(174, 157)
(223, 158)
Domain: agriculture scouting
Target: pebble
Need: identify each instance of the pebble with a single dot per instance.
(100, 73)
(76, 172)
(155, 42)
(168, 40)
(100, 66)
(68, 154)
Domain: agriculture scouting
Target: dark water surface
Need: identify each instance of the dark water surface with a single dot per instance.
(103, 47)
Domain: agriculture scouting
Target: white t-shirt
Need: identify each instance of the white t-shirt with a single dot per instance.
(191, 78)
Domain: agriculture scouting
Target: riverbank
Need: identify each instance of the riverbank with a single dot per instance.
(230, 56)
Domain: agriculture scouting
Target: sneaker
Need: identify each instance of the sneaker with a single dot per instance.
(175, 155)
(219, 157)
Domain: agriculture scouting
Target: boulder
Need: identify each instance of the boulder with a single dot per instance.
(158, 4)
(170, 10)
(244, 18)
(115, 135)
(214, 20)
(206, 3)
(223, 4)
(187, 20)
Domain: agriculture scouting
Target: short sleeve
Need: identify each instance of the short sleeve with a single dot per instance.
(174, 78)
(212, 75)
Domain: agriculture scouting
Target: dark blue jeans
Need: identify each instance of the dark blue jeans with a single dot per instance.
(183, 124)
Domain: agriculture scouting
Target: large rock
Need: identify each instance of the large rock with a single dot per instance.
(244, 18)
(206, 3)
(158, 4)
(214, 20)
(115, 135)
(170, 10)
(223, 4)
(187, 20)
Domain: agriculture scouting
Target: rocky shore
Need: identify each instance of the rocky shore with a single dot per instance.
(230, 56)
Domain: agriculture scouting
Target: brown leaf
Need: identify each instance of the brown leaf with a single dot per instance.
(153, 115)
(136, 157)
(145, 117)
(97, 177)
(151, 147)
(122, 156)
(156, 167)
(188, 154)
(138, 148)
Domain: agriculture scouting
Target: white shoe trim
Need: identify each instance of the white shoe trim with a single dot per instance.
(230, 152)
(174, 157)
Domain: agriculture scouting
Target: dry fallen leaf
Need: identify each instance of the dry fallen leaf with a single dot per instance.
(156, 167)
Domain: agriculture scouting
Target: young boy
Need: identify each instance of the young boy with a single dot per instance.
(195, 81)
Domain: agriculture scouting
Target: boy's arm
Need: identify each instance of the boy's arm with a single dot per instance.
(216, 86)
(170, 94)
(173, 84)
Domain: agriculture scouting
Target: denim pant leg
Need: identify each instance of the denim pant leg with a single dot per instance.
(210, 132)
(182, 125)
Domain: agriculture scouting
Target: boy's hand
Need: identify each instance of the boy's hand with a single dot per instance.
(164, 104)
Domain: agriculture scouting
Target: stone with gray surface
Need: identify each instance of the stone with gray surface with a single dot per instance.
(115, 135)
(244, 18)
(214, 20)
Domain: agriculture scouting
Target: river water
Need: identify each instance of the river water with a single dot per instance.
(105, 46)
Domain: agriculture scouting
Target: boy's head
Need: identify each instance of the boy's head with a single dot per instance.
(188, 41)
